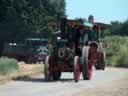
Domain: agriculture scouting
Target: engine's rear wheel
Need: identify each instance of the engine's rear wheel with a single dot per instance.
(77, 70)
(101, 63)
(86, 67)
(98, 66)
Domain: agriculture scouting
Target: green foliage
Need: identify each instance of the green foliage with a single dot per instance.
(8, 66)
(26, 17)
(20, 19)
(116, 48)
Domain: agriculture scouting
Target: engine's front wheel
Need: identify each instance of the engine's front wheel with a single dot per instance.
(56, 75)
(47, 72)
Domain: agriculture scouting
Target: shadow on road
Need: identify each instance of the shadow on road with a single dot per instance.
(29, 79)
(32, 79)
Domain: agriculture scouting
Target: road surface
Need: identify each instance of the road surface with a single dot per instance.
(36, 86)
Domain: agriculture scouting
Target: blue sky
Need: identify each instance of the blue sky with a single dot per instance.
(103, 10)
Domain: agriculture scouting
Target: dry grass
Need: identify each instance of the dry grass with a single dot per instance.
(30, 68)
(24, 70)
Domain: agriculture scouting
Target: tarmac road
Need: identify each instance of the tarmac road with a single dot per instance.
(36, 86)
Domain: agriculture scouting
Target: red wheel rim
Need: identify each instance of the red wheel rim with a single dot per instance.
(78, 70)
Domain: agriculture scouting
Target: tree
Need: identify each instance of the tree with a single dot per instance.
(115, 28)
(20, 19)
(119, 28)
(124, 28)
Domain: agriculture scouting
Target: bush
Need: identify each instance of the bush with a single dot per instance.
(121, 59)
(116, 50)
(112, 44)
(8, 66)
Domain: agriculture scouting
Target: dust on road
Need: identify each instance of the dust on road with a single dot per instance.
(113, 88)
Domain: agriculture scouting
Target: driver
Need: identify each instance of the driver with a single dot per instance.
(85, 35)
(91, 32)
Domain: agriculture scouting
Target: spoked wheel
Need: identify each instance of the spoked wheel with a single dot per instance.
(101, 63)
(77, 70)
(86, 66)
(47, 71)
(56, 75)
(97, 66)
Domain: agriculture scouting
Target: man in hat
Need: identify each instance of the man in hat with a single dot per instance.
(91, 32)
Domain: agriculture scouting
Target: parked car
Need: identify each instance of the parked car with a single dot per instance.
(33, 50)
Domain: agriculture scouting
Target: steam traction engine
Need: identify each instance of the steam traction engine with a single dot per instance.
(63, 57)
